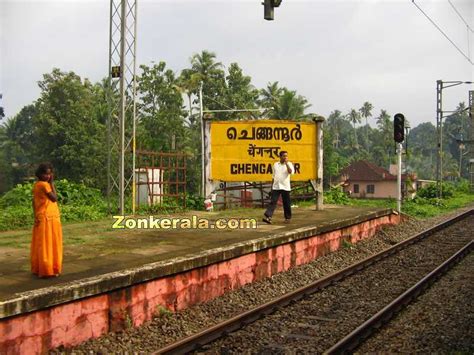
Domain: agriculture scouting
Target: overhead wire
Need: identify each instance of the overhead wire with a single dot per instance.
(223, 104)
(442, 32)
(468, 28)
(460, 16)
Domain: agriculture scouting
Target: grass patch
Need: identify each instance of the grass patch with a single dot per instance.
(381, 203)
(162, 311)
(420, 207)
(346, 244)
(99, 234)
(73, 234)
(8, 242)
(424, 208)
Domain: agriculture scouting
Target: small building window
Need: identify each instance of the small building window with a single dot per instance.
(356, 188)
(370, 189)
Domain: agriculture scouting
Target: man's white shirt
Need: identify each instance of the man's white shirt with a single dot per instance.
(281, 177)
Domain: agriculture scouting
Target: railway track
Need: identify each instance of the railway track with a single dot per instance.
(336, 313)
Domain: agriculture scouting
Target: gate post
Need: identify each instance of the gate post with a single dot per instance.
(208, 185)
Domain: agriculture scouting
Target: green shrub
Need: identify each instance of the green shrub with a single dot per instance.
(431, 191)
(16, 217)
(77, 203)
(336, 196)
(427, 201)
(20, 195)
(194, 202)
(167, 206)
(463, 186)
(68, 193)
(420, 210)
(78, 213)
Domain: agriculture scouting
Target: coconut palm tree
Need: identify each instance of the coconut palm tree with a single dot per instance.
(270, 97)
(334, 121)
(354, 117)
(383, 120)
(291, 105)
(205, 64)
(188, 83)
(212, 76)
(283, 103)
(385, 125)
(366, 112)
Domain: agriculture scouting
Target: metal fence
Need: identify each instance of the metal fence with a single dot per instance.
(257, 194)
(161, 178)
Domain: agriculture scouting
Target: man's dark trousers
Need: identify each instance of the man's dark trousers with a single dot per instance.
(285, 196)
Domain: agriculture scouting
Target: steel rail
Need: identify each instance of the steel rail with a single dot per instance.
(352, 340)
(194, 342)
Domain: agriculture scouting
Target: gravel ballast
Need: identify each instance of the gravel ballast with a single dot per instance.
(439, 321)
(314, 324)
(168, 327)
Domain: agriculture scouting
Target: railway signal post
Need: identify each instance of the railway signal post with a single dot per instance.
(399, 137)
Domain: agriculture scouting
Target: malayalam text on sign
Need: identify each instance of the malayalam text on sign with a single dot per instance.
(247, 150)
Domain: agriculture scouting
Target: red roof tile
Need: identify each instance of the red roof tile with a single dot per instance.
(364, 170)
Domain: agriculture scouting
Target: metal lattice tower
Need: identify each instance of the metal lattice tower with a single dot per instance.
(121, 123)
(440, 85)
(439, 136)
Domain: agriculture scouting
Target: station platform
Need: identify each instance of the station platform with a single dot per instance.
(116, 277)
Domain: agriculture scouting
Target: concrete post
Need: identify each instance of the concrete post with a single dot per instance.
(318, 184)
(208, 184)
(201, 117)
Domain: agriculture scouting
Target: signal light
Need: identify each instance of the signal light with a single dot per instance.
(268, 6)
(116, 72)
(399, 128)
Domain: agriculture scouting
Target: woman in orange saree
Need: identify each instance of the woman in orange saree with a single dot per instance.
(47, 242)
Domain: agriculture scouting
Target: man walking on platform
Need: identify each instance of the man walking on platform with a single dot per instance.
(280, 186)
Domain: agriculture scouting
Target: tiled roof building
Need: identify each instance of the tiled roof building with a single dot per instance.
(365, 179)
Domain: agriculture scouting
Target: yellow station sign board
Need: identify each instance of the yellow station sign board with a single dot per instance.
(247, 150)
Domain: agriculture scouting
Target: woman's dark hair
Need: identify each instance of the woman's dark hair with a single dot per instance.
(43, 168)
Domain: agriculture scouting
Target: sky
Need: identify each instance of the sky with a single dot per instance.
(338, 54)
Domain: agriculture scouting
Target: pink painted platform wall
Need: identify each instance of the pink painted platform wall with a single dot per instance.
(72, 323)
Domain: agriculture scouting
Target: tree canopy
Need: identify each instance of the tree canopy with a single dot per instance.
(66, 124)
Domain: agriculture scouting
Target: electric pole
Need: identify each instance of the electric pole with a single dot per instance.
(471, 139)
(440, 86)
